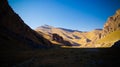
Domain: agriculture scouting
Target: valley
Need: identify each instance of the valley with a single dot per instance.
(48, 46)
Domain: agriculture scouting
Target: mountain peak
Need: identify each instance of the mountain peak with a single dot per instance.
(45, 26)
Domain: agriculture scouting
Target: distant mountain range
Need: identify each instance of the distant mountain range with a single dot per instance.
(96, 38)
(75, 37)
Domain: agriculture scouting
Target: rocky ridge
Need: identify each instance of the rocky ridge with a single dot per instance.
(111, 31)
(112, 24)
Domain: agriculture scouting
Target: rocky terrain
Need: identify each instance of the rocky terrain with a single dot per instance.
(111, 31)
(96, 38)
(112, 24)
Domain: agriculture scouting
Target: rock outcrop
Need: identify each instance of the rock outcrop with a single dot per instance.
(15, 34)
(112, 24)
(59, 39)
(111, 31)
(56, 37)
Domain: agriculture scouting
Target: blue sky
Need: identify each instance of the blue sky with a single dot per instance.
(83, 15)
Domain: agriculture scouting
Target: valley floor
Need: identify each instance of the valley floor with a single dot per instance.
(61, 57)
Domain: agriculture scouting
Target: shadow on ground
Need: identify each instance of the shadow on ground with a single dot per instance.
(61, 57)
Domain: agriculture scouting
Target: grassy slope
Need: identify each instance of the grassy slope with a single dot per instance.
(110, 38)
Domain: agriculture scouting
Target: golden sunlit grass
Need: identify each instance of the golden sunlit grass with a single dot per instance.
(82, 47)
(110, 38)
(76, 47)
(70, 46)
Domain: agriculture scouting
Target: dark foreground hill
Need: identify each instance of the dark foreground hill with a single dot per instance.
(15, 34)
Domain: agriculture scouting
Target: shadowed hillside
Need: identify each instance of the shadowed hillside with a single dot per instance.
(15, 34)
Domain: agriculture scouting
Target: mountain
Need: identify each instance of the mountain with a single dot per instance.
(109, 39)
(15, 34)
(76, 38)
(112, 24)
(49, 32)
(96, 38)
(111, 31)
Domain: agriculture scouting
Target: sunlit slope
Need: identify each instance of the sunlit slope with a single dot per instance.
(109, 39)
(48, 37)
